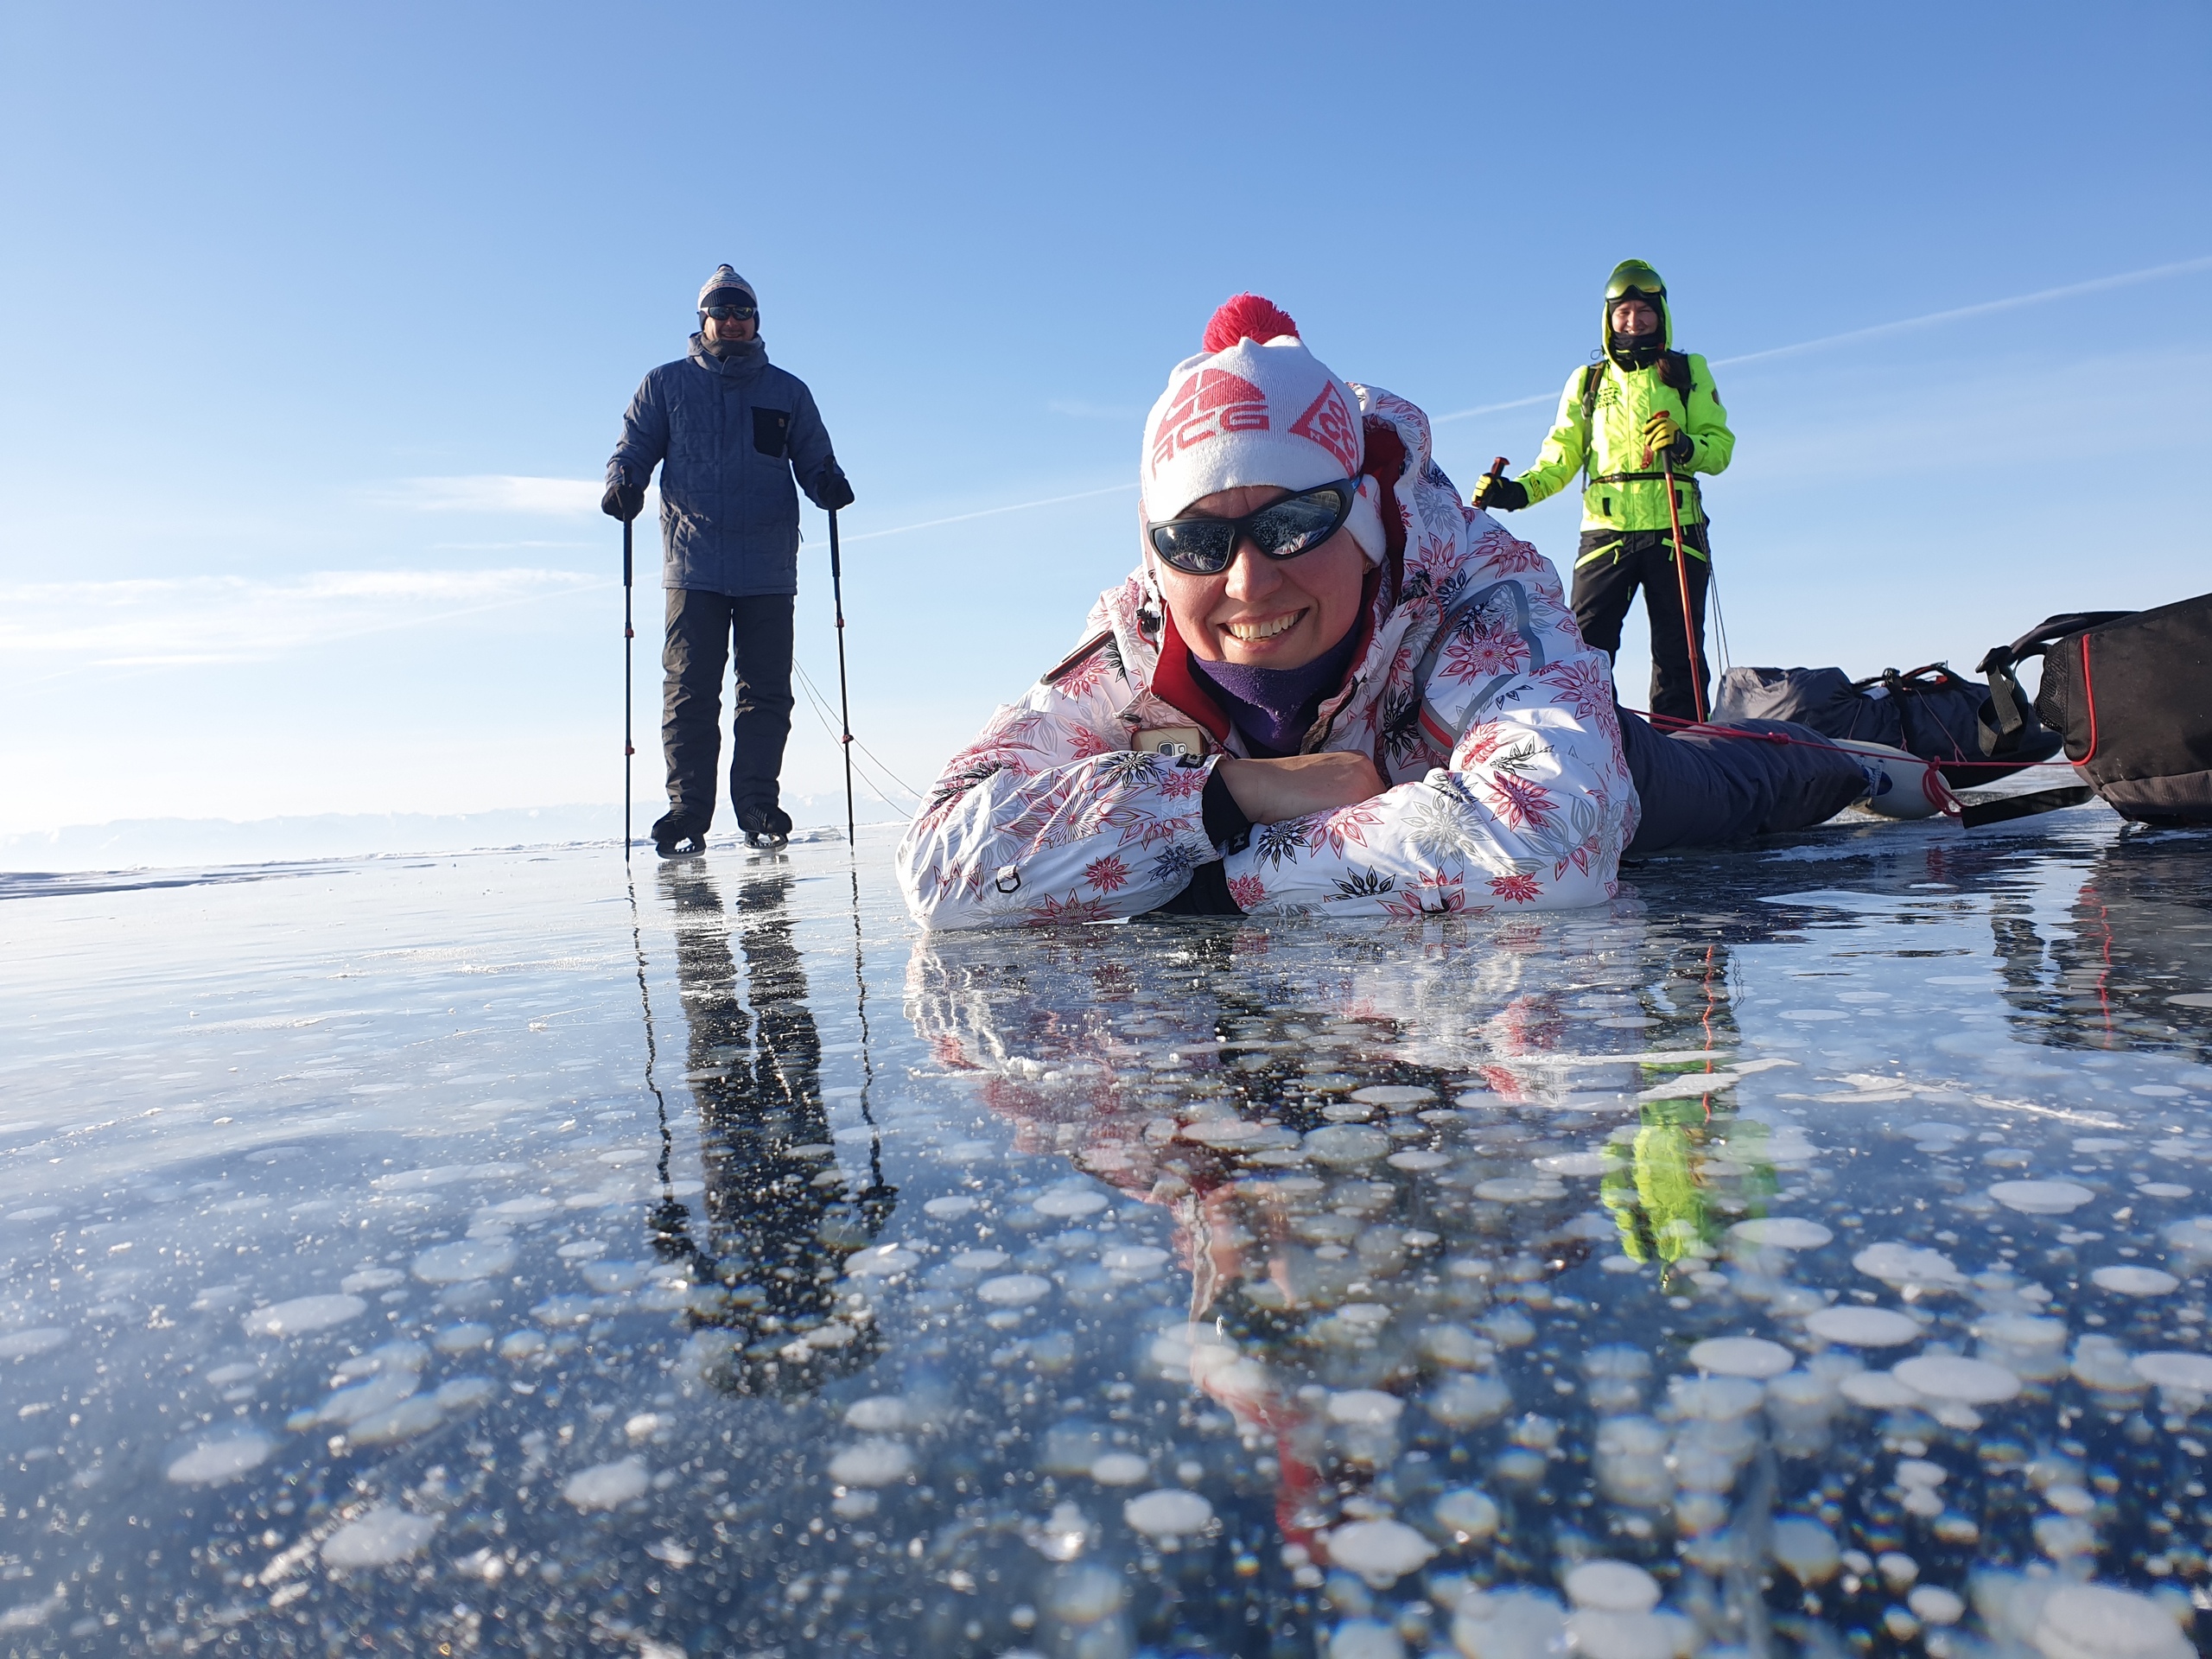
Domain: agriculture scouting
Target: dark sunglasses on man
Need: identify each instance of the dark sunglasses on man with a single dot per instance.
(1281, 529)
(730, 313)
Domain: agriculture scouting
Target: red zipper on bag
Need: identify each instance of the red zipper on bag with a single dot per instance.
(2089, 692)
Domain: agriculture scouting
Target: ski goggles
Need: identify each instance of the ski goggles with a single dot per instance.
(730, 313)
(1281, 529)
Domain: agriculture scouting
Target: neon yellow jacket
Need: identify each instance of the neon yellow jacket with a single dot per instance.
(1625, 492)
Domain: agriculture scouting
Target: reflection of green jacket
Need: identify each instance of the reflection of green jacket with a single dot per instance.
(1626, 492)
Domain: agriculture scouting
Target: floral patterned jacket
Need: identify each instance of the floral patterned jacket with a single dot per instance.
(1473, 694)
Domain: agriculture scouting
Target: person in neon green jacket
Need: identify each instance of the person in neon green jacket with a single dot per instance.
(1624, 421)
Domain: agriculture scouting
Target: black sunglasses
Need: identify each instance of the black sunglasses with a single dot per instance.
(730, 313)
(1281, 529)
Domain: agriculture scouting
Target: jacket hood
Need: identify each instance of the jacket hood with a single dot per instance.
(1634, 275)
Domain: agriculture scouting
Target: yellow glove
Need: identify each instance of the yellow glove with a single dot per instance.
(1663, 436)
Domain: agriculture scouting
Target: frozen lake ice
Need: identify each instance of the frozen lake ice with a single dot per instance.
(1806, 1254)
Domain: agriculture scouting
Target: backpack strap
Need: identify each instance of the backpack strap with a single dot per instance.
(2007, 702)
(1593, 378)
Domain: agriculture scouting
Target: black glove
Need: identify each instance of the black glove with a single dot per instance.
(834, 492)
(622, 501)
(1494, 490)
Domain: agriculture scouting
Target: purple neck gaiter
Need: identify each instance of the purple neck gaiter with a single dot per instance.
(1274, 707)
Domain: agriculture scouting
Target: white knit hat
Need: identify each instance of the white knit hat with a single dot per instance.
(1255, 407)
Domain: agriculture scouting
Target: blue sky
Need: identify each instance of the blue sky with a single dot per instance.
(320, 320)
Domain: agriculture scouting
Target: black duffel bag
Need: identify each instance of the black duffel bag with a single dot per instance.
(1929, 712)
(2132, 693)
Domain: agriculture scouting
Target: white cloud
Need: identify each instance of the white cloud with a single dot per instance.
(495, 492)
(190, 620)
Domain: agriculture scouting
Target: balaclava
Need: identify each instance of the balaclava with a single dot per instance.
(1255, 407)
(1633, 279)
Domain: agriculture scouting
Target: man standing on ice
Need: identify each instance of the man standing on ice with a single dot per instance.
(1642, 419)
(1328, 688)
(730, 432)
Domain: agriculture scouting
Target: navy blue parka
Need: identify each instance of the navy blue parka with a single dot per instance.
(730, 434)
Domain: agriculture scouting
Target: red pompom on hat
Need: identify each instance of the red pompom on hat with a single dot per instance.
(1246, 316)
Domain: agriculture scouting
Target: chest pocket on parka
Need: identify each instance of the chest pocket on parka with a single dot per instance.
(772, 431)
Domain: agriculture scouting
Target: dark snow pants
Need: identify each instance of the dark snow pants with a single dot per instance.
(1604, 585)
(701, 627)
(1702, 787)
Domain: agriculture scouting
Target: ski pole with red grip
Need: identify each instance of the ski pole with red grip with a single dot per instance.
(1682, 584)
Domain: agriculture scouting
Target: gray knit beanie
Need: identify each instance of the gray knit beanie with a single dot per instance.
(726, 280)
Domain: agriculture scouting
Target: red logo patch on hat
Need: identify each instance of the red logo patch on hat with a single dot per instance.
(1211, 402)
(1328, 422)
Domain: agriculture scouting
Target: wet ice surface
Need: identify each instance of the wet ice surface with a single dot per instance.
(1807, 1255)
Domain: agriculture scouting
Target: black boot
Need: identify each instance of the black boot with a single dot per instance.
(765, 826)
(680, 833)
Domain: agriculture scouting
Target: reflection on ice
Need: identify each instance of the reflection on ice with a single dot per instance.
(452, 1257)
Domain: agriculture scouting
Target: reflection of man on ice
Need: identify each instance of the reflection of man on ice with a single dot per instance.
(1638, 423)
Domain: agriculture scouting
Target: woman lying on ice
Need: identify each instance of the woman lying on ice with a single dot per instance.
(1329, 687)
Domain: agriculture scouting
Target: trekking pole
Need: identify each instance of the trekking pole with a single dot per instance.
(844, 702)
(629, 633)
(1682, 582)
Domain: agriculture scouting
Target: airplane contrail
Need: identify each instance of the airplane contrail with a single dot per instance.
(2095, 285)
(985, 513)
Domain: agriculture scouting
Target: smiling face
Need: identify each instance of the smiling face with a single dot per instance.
(1633, 318)
(1260, 612)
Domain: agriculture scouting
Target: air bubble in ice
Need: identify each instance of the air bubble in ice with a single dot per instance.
(1119, 1468)
(873, 1462)
(1014, 1289)
(464, 1260)
(1508, 1624)
(879, 1414)
(2096, 1621)
(1468, 1515)
(1364, 1408)
(1949, 1376)
(1133, 1258)
(1863, 1327)
(371, 1278)
(945, 1209)
(302, 1314)
(1611, 1587)
(1167, 1512)
(22, 1344)
(2041, 1197)
(1380, 1552)
(1067, 1203)
(212, 1462)
(2192, 1372)
(1933, 1604)
(607, 1485)
(384, 1534)
(1903, 1264)
(1806, 1547)
(1342, 1146)
(1752, 1356)
(2134, 1281)
(1783, 1233)
(882, 1262)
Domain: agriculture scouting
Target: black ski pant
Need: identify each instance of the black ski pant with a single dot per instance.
(1707, 788)
(701, 629)
(1610, 565)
